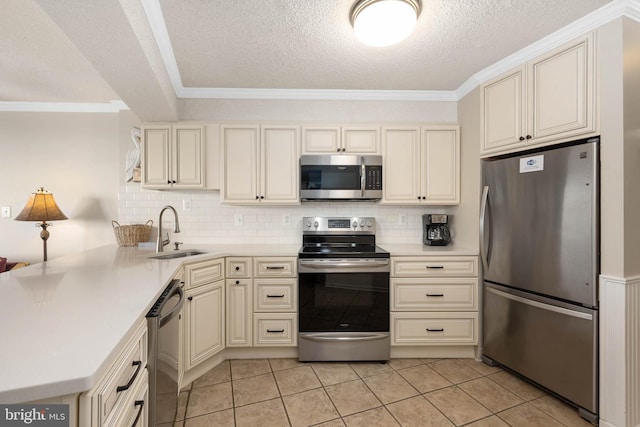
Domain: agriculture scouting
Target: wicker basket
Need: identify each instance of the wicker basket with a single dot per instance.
(130, 235)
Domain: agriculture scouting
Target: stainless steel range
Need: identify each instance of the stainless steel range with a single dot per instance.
(343, 291)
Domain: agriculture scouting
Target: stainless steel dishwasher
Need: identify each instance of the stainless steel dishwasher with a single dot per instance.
(163, 322)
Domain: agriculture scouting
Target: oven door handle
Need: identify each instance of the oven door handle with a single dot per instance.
(360, 337)
(343, 264)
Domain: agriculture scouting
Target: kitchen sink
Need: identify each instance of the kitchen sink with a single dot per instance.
(180, 254)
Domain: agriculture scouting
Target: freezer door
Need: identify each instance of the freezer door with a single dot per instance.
(551, 343)
(540, 223)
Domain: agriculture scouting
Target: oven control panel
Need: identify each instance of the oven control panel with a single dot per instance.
(339, 225)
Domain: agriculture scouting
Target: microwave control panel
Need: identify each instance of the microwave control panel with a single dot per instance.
(373, 179)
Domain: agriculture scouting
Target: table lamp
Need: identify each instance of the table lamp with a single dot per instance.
(41, 207)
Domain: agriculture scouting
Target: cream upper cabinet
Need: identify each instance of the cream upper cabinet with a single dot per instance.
(173, 156)
(421, 165)
(327, 139)
(260, 164)
(547, 99)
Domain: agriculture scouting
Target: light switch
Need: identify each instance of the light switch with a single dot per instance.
(6, 212)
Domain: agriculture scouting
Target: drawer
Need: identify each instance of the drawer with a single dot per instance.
(275, 294)
(275, 329)
(443, 266)
(201, 273)
(119, 383)
(239, 267)
(434, 328)
(443, 294)
(135, 411)
(275, 267)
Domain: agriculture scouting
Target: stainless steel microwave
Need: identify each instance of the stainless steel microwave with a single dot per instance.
(340, 177)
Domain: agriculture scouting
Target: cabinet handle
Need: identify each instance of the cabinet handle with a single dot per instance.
(338, 150)
(435, 329)
(275, 330)
(529, 136)
(257, 197)
(275, 296)
(137, 363)
(275, 267)
(168, 181)
(344, 149)
(436, 267)
(238, 268)
(435, 295)
(261, 197)
(139, 403)
(190, 298)
(521, 138)
(418, 197)
(237, 282)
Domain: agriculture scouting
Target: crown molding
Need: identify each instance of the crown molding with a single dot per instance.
(63, 107)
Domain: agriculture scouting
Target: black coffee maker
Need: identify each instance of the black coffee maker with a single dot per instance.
(435, 231)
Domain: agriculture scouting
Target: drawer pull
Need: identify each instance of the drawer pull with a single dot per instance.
(137, 363)
(275, 296)
(435, 267)
(275, 267)
(139, 403)
(237, 282)
(435, 329)
(435, 295)
(275, 330)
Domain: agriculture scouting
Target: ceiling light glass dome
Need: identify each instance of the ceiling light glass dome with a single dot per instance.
(384, 22)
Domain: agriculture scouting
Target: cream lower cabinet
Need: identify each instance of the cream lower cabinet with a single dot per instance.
(122, 392)
(421, 165)
(262, 300)
(346, 139)
(204, 311)
(434, 300)
(260, 164)
(550, 97)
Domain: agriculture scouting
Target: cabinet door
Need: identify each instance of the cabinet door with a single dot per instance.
(401, 170)
(204, 311)
(156, 157)
(560, 91)
(360, 140)
(188, 157)
(240, 164)
(320, 139)
(441, 166)
(239, 312)
(279, 165)
(503, 111)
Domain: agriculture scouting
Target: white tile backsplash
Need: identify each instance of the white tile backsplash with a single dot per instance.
(210, 221)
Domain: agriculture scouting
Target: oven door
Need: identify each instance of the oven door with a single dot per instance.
(343, 310)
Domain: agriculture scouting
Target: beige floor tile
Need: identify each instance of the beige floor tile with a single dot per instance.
(218, 419)
(183, 400)
(390, 387)
(217, 375)
(254, 389)
(295, 380)
(166, 404)
(244, 368)
(366, 369)
(455, 370)
(492, 395)
(209, 399)
(431, 360)
(559, 410)
(418, 412)
(398, 364)
(519, 387)
(282, 364)
(332, 423)
(351, 397)
(526, 415)
(378, 417)
(456, 405)
(481, 367)
(309, 408)
(492, 421)
(268, 413)
(334, 373)
(424, 379)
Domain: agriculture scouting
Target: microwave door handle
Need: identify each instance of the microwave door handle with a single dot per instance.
(363, 176)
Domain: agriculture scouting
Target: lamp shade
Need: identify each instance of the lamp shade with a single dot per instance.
(384, 22)
(41, 207)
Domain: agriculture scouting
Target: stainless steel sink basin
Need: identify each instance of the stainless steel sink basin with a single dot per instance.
(179, 254)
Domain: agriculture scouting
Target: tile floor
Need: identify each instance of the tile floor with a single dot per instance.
(403, 392)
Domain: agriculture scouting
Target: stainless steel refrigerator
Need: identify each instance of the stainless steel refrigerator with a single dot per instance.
(539, 226)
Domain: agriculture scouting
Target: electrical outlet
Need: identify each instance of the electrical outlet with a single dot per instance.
(6, 212)
(402, 219)
(186, 205)
(286, 219)
(239, 219)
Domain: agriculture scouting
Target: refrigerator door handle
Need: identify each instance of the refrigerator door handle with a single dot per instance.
(483, 212)
(541, 305)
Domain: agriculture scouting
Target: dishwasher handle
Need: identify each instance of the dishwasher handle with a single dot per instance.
(174, 288)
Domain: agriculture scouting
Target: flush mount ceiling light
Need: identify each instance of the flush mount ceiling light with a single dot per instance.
(384, 22)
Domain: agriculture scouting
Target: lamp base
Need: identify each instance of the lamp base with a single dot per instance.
(44, 235)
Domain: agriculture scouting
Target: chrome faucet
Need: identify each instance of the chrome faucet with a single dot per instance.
(160, 243)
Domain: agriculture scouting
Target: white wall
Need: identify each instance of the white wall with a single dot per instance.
(72, 155)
